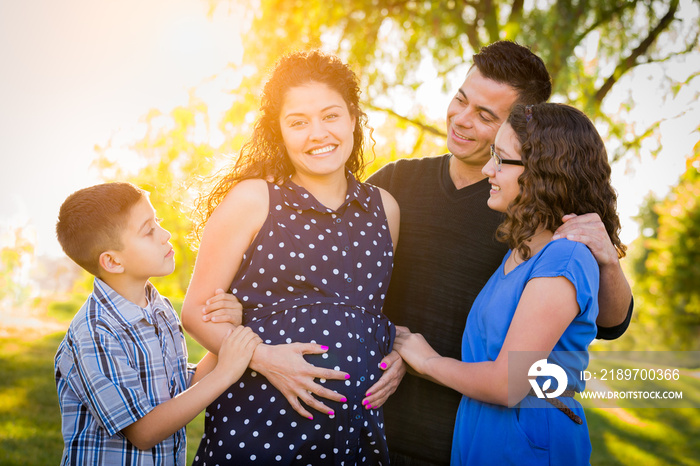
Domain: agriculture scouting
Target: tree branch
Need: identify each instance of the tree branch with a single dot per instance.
(604, 18)
(515, 18)
(472, 30)
(489, 13)
(474, 4)
(635, 143)
(451, 68)
(419, 124)
(689, 49)
(419, 142)
(631, 60)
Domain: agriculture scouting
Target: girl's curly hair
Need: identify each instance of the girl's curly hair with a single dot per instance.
(264, 154)
(566, 171)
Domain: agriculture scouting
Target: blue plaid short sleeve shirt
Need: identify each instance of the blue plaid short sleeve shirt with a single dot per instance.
(115, 364)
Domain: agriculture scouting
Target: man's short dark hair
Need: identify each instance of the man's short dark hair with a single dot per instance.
(515, 65)
(92, 220)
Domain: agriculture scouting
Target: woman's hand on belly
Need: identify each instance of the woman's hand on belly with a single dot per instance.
(284, 367)
(394, 369)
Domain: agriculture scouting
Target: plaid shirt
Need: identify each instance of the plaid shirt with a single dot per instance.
(115, 364)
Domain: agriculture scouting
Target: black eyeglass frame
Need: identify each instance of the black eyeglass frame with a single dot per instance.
(498, 160)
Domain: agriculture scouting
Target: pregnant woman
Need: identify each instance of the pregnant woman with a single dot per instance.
(308, 251)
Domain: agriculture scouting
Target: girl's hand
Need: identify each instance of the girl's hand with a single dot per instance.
(235, 353)
(223, 307)
(415, 350)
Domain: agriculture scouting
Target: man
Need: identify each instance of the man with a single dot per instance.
(447, 249)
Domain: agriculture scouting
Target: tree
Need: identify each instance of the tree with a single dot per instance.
(588, 46)
(170, 154)
(666, 266)
(397, 48)
(14, 261)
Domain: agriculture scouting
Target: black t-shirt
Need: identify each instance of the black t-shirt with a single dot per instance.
(445, 255)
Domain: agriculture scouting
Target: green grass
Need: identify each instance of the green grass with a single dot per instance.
(195, 429)
(30, 423)
(646, 432)
(648, 436)
(30, 419)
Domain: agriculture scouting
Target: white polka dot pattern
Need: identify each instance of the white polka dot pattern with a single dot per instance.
(311, 275)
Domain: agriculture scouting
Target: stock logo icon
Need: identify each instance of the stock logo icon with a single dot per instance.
(543, 368)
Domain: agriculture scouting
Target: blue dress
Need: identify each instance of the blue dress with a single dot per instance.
(533, 432)
(318, 275)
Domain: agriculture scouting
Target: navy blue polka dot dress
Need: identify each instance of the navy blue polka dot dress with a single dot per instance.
(317, 275)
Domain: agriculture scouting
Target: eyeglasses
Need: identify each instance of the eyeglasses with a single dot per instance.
(498, 161)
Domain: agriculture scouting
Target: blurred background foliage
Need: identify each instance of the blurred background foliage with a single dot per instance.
(402, 50)
(398, 48)
(665, 266)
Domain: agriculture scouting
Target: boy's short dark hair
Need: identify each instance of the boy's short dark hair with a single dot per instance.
(91, 221)
(515, 65)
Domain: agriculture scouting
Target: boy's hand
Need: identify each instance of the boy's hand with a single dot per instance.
(236, 351)
(223, 307)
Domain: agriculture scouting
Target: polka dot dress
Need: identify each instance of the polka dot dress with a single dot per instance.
(311, 275)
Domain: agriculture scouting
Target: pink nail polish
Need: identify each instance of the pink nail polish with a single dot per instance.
(331, 413)
(311, 417)
(368, 394)
(324, 347)
(364, 402)
(347, 376)
(383, 365)
(343, 399)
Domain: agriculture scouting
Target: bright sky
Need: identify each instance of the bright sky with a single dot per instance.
(77, 72)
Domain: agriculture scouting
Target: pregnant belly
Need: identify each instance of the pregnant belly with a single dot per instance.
(357, 342)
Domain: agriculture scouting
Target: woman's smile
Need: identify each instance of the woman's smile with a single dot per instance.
(323, 150)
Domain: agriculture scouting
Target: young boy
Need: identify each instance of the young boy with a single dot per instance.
(121, 370)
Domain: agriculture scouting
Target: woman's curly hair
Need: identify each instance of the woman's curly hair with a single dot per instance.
(566, 171)
(264, 154)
